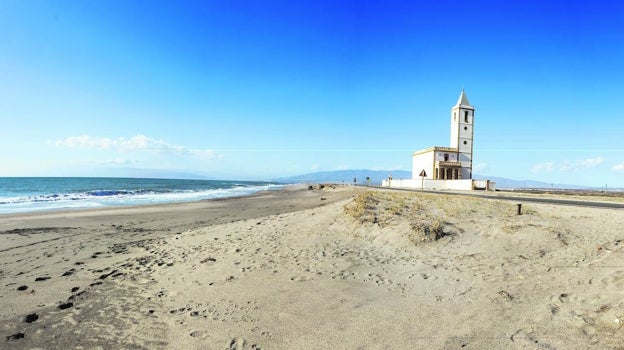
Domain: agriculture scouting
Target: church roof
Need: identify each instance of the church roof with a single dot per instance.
(435, 148)
(463, 100)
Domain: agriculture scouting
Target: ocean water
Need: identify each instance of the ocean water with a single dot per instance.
(26, 194)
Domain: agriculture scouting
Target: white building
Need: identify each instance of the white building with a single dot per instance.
(447, 167)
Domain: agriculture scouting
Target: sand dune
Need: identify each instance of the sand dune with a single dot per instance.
(339, 268)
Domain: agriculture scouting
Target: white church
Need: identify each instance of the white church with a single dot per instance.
(447, 168)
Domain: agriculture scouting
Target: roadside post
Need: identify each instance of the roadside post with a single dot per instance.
(422, 175)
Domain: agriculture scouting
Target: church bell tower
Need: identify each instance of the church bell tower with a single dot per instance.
(462, 122)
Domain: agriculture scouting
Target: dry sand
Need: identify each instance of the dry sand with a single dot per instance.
(332, 268)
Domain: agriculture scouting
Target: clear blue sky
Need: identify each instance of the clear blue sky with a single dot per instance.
(263, 89)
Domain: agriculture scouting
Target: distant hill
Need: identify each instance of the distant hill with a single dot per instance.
(347, 176)
(505, 183)
(376, 176)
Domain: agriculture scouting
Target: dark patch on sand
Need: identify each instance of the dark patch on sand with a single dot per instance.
(105, 276)
(15, 336)
(66, 306)
(31, 318)
(69, 272)
(34, 230)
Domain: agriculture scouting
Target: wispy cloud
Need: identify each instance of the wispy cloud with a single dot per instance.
(567, 165)
(581, 164)
(546, 167)
(134, 144)
(619, 168)
(116, 161)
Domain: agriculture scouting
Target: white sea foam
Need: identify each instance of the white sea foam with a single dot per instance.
(104, 198)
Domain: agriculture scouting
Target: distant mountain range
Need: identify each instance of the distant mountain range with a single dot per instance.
(505, 183)
(376, 176)
(347, 176)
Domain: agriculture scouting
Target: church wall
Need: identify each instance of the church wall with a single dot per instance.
(465, 131)
(463, 185)
(458, 185)
(465, 158)
(402, 183)
(422, 161)
(439, 156)
(465, 134)
(454, 128)
(465, 147)
(466, 173)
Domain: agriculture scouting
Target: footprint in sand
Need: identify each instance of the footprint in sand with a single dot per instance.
(554, 309)
(237, 344)
(616, 279)
(240, 344)
(198, 334)
(300, 278)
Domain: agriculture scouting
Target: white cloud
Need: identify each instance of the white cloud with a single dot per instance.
(133, 144)
(581, 164)
(618, 168)
(116, 161)
(593, 162)
(567, 165)
(539, 167)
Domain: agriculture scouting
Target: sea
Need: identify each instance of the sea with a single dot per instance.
(29, 194)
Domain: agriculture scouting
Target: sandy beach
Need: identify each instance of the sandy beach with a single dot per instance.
(329, 268)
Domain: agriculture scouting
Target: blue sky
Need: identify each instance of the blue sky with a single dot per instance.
(264, 89)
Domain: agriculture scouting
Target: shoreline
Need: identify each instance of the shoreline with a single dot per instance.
(131, 194)
(53, 212)
(160, 219)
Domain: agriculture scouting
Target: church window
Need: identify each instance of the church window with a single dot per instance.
(446, 157)
(465, 142)
(466, 116)
(465, 128)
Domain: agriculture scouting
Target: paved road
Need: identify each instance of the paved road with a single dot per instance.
(579, 203)
(519, 199)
